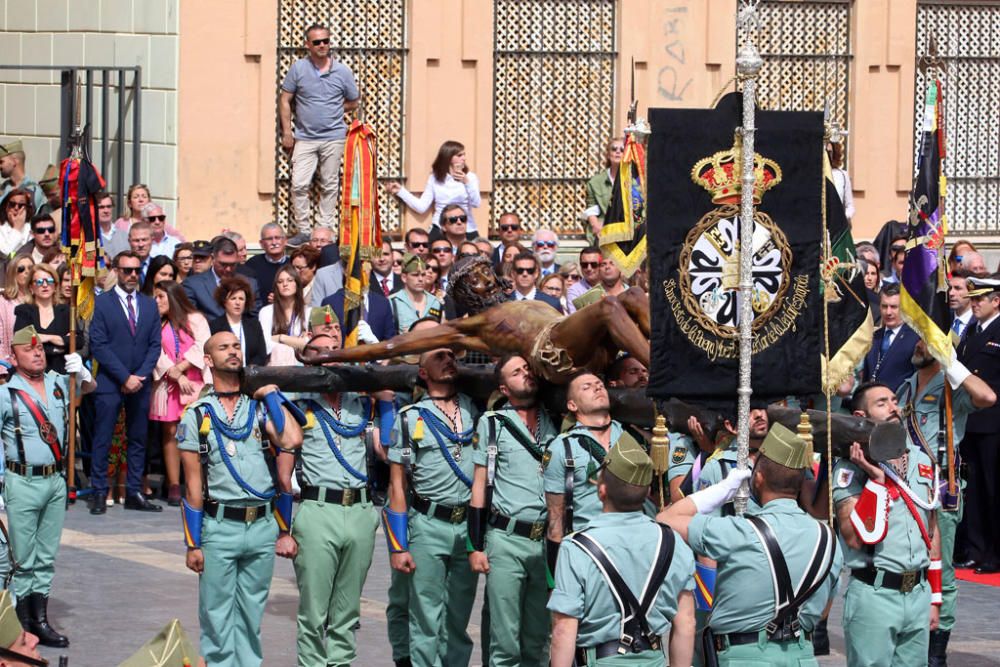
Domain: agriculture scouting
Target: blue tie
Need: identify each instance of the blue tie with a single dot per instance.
(956, 326)
(886, 342)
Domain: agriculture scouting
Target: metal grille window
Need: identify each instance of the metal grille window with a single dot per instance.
(968, 44)
(369, 36)
(806, 48)
(553, 90)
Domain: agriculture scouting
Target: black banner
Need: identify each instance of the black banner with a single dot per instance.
(693, 233)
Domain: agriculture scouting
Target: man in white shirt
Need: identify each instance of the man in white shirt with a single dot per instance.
(162, 243)
(546, 248)
(960, 303)
(590, 272)
(106, 218)
(510, 229)
(382, 276)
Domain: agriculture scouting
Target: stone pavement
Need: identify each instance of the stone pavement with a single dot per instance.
(121, 577)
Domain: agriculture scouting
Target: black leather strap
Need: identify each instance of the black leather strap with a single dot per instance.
(569, 483)
(449, 513)
(533, 531)
(17, 424)
(237, 513)
(897, 581)
(345, 497)
(608, 650)
(407, 453)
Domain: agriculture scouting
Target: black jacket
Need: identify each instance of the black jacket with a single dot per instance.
(981, 354)
(253, 338)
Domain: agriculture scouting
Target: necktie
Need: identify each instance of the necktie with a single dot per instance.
(131, 314)
(979, 328)
(956, 326)
(886, 342)
(385, 286)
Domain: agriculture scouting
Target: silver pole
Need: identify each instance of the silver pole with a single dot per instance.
(748, 64)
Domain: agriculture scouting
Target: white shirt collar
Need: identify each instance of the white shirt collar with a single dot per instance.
(122, 294)
(965, 317)
(988, 322)
(526, 297)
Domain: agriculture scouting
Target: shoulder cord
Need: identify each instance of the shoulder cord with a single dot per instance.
(904, 487)
(221, 428)
(536, 450)
(438, 428)
(327, 422)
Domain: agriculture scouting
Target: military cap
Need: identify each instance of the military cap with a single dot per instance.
(786, 448)
(629, 462)
(201, 248)
(320, 316)
(11, 148)
(10, 627)
(169, 648)
(50, 179)
(413, 263)
(25, 336)
(983, 286)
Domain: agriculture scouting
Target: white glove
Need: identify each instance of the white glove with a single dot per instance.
(956, 373)
(710, 499)
(365, 334)
(74, 364)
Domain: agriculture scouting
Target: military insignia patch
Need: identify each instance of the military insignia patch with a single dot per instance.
(923, 419)
(546, 457)
(844, 477)
(678, 455)
(925, 471)
(475, 441)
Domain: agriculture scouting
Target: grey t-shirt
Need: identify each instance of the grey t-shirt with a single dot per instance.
(319, 99)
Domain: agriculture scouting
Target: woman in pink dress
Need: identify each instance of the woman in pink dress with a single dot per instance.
(180, 372)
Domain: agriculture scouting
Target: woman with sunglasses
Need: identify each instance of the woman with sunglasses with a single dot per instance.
(15, 292)
(16, 210)
(286, 321)
(179, 374)
(432, 278)
(160, 268)
(450, 182)
(45, 311)
(599, 189)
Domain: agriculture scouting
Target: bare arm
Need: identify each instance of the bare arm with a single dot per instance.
(682, 631)
(556, 504)
(286, 468)
(564, 629)
(847, 532)
(456, 334)
(285, 111)
(478, 487)
(813, 498)
(351, 105)
(675, 489)
(678, 516)
(401, 561)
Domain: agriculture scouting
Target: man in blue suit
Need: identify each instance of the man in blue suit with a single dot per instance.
(375, 310)
(200, 287)
(525, 275)
(125, 342)
(888, 362)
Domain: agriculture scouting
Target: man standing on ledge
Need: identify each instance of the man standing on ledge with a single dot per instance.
(323, 90)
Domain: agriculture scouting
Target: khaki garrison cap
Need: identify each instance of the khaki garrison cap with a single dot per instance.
(786, 448)
(629, 462)
(170, 648)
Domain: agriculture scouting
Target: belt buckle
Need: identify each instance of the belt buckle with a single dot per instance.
(250, 514)
(348, 498)
(457, 514)
(908, 582)
(537, 531)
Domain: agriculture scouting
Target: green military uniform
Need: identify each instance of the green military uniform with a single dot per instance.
(683, 453)
(631, 542)
(334, 528)
(885, 625)
(34, 489)
(516, 588)
(717, 468)
(442, 587)
(745, 590)
(239, 552)
(587, 455)
(927, 408)
(405, 313)
(27, 183)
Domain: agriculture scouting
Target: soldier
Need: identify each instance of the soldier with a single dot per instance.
(888, 530)
(33, 416)
(413, 302)
(14, 176)
(507, 496)
(922, 396)
(229, 478)
(433, 459)
(777, 568)
(333, 537)
(723, 459)
(620, 580)
(17, 646)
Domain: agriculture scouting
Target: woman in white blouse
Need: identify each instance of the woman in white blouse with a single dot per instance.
(286, 321)
(450, 182)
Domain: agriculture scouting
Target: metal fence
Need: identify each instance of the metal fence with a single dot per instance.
(967, 35)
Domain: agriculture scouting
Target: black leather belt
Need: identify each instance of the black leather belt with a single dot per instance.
(608, 649)
(447, 513)
(34, 471)
(904, 582)
(722, 642)
(346, 497)
(244, 514)
(532, 530)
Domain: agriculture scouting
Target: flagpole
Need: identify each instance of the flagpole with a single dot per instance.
(748, 64)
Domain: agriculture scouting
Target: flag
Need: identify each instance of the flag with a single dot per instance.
(694, 183)
(924, 285)
(623, 236)
(850, 325)
(360, 225)
(79, 182)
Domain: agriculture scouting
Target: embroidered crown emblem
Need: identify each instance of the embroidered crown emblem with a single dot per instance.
(720, 174)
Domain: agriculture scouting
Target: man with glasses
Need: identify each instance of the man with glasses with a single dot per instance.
(264, 267)
(125, 341)
(590, 273)
(509, 226)
(200, 287)
(525, 276)
(323, 90)
(418, 243)
(444, 253)
(453, 222)
(162, 243)
(546, 248)
(44, 239)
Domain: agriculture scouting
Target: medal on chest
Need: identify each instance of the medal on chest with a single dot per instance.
(230, 448)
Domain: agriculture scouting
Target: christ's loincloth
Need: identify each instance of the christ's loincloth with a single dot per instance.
(548, 360)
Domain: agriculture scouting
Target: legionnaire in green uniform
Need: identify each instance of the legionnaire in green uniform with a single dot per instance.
(620, 580)
(507, 517)
(684, 454)
(333, 537)
(723, 460)
(33, 415)
(17, 645)
(888, 530)
(923, 401)
(777, 568)
(413, 302)
(427, 541)
(229, 479)
(169, 648)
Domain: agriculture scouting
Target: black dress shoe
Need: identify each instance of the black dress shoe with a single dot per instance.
(969, 564)
(99, 504)
(988, 568)
(137, 501)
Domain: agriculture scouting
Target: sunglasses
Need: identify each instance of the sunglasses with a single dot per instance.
(18, 204)
(185, 258)
(441, 250)
(128, 270)
(457, 218)
(545, 244)
(317, 42)
(589, 265)
(42, 282)
(22, 269)
(45, 230)
(420, 244)
(572, 276)
(157, 218)
(510, 228)
(397, 262)
(522, 271)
